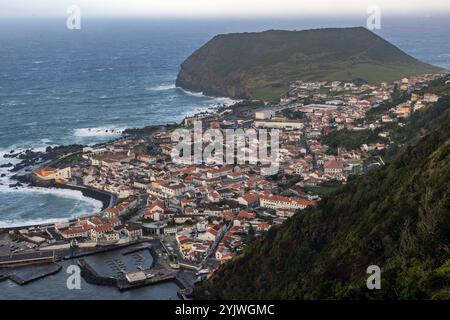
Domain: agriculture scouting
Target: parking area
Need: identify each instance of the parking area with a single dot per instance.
(8, 247)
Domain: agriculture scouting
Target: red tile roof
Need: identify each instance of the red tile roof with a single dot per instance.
(333, 164)
(103, 227)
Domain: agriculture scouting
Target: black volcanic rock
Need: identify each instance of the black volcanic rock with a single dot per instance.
(6, 165)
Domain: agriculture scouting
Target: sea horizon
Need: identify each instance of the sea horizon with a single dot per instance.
(86, 86)
(224, 158)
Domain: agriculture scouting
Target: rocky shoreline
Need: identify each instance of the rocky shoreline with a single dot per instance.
(30, 159)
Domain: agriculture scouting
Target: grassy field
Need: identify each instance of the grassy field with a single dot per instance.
(375, 74)
(268, 93)
(324, 189)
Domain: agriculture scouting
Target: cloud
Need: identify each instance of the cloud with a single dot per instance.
(217, 8)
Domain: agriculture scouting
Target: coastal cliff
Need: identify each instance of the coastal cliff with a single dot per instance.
(263, 64)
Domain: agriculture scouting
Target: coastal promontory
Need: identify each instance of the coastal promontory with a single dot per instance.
(263, 64)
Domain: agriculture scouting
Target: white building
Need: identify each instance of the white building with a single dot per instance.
(279, 125)
(53, 174)
(281, 202)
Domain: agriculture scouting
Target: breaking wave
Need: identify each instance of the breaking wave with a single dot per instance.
(163, 87)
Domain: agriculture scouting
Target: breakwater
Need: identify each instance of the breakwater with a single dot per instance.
(26, 274)
(91, 276)
(108, 199)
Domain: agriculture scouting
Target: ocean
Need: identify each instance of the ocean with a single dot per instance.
(60, 86)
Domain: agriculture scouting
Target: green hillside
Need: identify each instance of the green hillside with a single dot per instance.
(261, 65)
(396, 217)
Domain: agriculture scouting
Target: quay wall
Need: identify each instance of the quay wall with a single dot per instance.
(26, 258)
(91, 276)
(108, 199)
(108, 248)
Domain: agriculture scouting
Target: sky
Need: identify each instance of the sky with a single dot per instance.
(219, 8)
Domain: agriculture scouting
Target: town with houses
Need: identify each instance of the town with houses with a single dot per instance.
(205, 214)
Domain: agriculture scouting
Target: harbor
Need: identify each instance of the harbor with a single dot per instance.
(126, 268)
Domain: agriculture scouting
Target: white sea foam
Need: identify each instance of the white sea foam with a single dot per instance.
(83, 205)
(214, 103)
(191, 93)
(86, 202)
(226, 101)
(7, 151)
(215, 100)
(20, 222)
(9, 223)
(46, 141)
(16, 150)
(163, 87)
(97, 132)
(88, 206)
(212, 107)
(60, 193)
(198, 110)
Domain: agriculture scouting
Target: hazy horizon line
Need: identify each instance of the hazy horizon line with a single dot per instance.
(240, 18)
